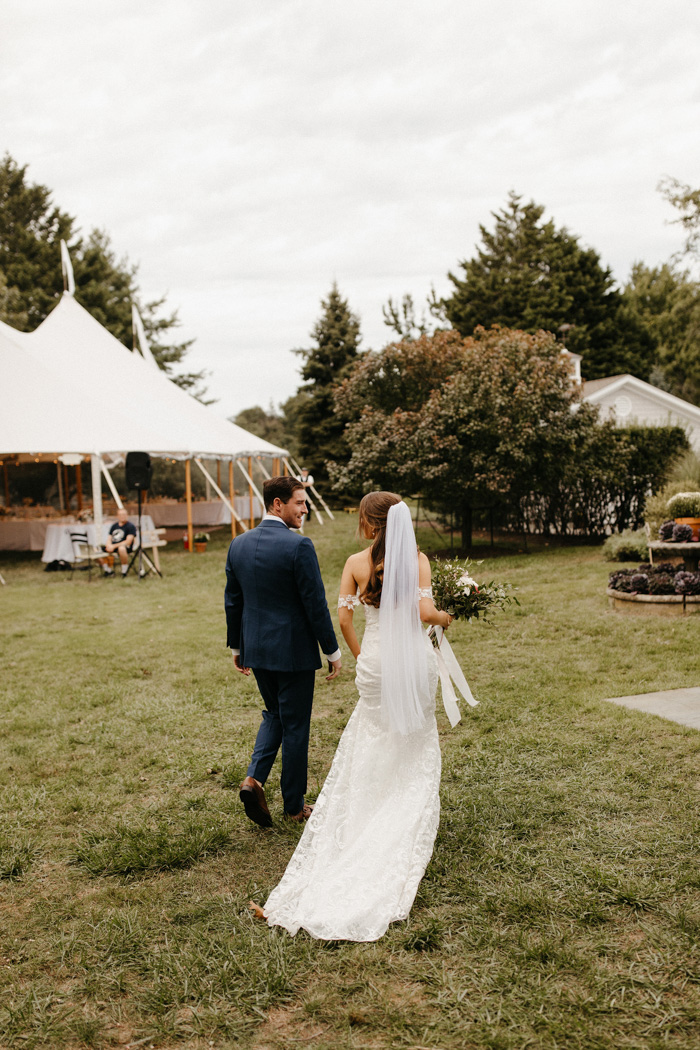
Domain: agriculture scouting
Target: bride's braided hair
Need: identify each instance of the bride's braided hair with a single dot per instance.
(372, 516)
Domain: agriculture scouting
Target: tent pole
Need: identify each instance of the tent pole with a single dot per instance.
(219, 491)
(231, 497)
(66, 487)
(95, 465)
(61, 501)
(286, 469)
(79, 485)
(188, 496)
(313, 489)
(249, 478)
(250, 490)
(112, 486)
(263, 469)
(276, 466)
(7, 485)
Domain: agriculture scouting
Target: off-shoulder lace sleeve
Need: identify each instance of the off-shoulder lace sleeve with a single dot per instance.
(425, 592)
(348, 601)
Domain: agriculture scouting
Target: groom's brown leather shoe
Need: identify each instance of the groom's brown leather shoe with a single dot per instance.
(299, 817)
(253, 798)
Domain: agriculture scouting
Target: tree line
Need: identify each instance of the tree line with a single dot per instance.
(472, 405)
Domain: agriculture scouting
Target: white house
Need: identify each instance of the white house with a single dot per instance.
(628, 401)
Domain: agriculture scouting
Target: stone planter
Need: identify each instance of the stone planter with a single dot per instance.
(654, 604)
(200, 548)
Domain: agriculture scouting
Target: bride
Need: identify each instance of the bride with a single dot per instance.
(365, 848)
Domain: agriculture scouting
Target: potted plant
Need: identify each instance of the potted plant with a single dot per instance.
(200, 541)
(684, 507)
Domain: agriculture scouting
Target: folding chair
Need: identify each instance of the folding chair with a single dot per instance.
(84, 551)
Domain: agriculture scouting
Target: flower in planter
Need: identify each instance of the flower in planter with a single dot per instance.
(639, 583)
(666, 531)
(687, 582)
(684, 505)
(201, 537)
(662, 583)
(682, 534)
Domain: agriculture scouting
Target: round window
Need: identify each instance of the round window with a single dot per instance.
(623, 406)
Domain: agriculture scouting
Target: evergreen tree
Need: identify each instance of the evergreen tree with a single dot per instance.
(666, 300)
(337, 338)
(31, 229)
(529, 275)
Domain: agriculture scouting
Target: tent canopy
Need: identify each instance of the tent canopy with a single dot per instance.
(71, 386)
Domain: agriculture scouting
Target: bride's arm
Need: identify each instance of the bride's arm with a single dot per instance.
(428, 612)
(348, 588)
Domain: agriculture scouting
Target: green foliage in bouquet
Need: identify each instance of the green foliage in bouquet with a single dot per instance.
(456, 591)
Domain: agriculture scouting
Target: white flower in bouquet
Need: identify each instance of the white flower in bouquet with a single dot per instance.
(466, 583)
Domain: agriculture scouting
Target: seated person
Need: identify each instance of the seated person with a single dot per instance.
(122, 536)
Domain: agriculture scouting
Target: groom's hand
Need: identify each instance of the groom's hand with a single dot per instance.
(334, 667)
(237, 665)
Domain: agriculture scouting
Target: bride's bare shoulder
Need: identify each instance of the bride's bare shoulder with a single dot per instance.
(360, 558)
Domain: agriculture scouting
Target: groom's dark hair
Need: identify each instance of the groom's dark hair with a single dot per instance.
(282, 488)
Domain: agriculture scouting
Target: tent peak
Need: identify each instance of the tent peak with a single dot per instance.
(67, 270)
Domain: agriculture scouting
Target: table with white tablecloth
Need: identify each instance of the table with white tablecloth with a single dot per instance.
(25, 534)
(205, 513)
(58, 545)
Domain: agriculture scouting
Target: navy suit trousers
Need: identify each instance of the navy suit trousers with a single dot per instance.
(288, 697)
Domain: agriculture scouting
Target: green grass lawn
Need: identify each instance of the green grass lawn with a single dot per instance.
(562, 904)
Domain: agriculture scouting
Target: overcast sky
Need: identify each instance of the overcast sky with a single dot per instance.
(246, 153)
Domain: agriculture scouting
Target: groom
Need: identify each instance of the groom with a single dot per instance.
(277, 616)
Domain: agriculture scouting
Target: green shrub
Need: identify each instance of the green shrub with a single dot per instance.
(656, 508)
(684, 505)
(630, 545)
(686, 468)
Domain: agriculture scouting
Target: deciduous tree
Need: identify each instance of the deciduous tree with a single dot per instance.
(465, 421)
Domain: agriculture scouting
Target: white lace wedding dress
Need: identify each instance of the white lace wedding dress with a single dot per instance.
(366, 846)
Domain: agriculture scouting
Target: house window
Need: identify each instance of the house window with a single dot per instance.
(623, 406)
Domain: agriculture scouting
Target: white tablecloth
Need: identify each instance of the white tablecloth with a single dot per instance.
(204, 512)
(58, 546)
(25, 534)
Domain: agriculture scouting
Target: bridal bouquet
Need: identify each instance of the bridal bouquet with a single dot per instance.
(456, 591)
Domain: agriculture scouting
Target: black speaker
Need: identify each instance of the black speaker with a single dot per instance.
(138, 470)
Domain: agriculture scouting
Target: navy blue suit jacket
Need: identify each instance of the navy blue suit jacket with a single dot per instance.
(276, 609)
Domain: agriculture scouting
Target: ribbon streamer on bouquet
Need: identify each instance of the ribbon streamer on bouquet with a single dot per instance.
(450, 671)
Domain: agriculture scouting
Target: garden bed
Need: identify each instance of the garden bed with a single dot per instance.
(664, 588)
(659, 604)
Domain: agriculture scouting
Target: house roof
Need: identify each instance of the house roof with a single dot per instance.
(595, 389)
(590, 386)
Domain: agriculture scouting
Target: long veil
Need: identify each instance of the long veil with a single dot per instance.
(404, 661)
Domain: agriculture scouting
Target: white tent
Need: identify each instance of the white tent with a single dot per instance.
(72, 343)
(71, 387)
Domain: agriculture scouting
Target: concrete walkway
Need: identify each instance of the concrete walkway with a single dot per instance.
(678, 705)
